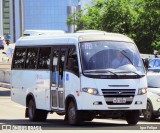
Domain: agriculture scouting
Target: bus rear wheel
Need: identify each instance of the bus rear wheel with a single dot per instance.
(132, 117)
(36, 114)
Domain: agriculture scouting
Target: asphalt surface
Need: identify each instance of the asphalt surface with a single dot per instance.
(12, 114)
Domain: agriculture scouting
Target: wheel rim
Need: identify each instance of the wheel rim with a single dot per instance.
(147, 112)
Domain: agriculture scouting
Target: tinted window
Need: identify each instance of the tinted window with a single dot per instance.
(151, 63)
(99, 55)
(55, 66)
(19, 58)
(44, 58)
(157, 63)
(61, 66)
(31, 60)
(72, 62)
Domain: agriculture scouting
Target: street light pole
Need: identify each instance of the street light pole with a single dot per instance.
(71, 10)
(11, 14)
(1, 17)
(21, 17)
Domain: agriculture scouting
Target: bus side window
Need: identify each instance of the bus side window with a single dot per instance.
(61, 66)
(55, 66)
(44, 58)
(72, 61)
(19, 58)
(32, 58)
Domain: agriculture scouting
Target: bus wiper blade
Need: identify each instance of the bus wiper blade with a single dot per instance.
(122, 52)
(100, 71)
(131, 72)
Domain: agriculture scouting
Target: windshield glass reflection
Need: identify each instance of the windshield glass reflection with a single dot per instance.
(117, 57)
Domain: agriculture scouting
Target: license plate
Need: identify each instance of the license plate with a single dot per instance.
(119, 100)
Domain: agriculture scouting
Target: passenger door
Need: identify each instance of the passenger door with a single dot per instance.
(57, 88)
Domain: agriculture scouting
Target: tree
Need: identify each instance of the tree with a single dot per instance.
(91, 19)
(148, 26)
(139, 19)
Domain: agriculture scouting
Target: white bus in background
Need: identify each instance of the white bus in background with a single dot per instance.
(73, 75)
(42, 32)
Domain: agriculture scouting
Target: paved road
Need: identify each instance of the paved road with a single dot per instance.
(12, 113)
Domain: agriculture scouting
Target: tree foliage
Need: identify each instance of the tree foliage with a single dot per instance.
(139, 19)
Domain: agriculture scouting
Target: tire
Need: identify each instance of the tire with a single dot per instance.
(73, 115)
(61, 114)
(148, 113)
(36, 114)
(132, 117)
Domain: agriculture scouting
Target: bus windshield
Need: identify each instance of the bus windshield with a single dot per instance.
(111, 57)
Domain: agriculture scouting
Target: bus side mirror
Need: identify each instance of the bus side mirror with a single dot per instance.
(146, 63)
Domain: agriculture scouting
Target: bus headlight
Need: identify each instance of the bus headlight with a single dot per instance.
(142, 91)
(92, 91)
(158, 99)
(157, 93)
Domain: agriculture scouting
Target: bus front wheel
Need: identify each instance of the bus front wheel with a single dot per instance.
(148, 113)
(36, 114)
(73, 114)
(132, 117)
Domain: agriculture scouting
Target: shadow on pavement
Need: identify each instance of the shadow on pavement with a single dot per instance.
(155, 120)
(60, 124)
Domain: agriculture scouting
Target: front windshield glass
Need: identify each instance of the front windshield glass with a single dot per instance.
(111, 56)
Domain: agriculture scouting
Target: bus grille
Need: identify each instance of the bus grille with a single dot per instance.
(118, 96)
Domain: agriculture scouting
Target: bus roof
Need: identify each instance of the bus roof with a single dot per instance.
(42, 32)
(70, 38)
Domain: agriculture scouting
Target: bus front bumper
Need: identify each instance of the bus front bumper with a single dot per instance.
(94, 102)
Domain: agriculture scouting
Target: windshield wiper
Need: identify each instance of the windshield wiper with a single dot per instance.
(122, 52)
(99, 71)
(130, 72)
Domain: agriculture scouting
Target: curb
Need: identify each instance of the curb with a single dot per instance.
(5, 85)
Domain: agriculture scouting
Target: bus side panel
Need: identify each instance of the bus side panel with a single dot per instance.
(42, 91)
(72, 85)
(18, 92)
(38, 83)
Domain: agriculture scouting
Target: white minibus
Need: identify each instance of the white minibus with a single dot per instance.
(83, 76)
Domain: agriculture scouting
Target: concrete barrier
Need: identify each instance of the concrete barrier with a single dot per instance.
(2, 73)
(5, 78)
(5, 65)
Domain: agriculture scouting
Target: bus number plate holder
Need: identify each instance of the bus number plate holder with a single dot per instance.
(119, 100)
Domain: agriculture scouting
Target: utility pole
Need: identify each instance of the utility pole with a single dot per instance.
(1, 17)
(12, 20)
(72, 10)
(21, 17)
